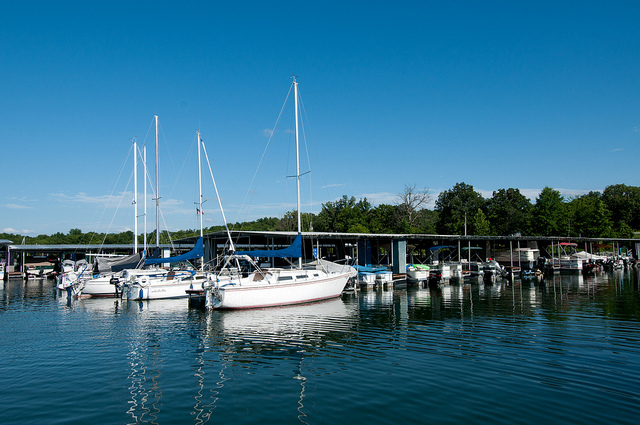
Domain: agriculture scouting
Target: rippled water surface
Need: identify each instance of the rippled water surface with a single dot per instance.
(565, 350)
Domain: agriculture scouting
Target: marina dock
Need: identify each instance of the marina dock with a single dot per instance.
(393, 252)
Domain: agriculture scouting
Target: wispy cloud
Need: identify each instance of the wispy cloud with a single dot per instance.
(532, 194)
(333, 185)
(168, 205)
(17, 207)
(20, 232)
(572, 193)
(617, 150)
(83, 198)
(381, 198)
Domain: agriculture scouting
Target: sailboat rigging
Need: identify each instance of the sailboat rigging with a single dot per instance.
(241, 283)
(165, 283)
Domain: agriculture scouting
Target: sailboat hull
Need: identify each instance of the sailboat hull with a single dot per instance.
(158, 291)
(173, 284)
(99, 287)
(234, 294)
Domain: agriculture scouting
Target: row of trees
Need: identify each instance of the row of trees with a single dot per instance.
(615, 212)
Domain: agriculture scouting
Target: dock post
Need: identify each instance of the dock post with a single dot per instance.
(399, 256)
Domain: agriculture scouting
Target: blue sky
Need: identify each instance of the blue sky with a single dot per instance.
(495, 94)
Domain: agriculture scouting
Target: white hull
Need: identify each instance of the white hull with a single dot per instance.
(157, 288)
(366, 279)
(99, 287)
(158, 291)
(38, 272)
(102, 287)
(417, 275)
(445, 270)
(269, 292)
(572, 264)
(384, 278)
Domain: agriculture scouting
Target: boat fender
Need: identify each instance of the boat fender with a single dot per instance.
(141, 293)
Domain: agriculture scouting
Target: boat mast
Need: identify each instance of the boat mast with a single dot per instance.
(135, 196)
(295, 96)
(144, 160)
(199, 183)
(200, 213)
(157, 190)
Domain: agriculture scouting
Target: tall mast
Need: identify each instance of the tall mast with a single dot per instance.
(144, 160)
(157, 190)
(200, 213)
(295, 96)
(135, 196)
(200, 184)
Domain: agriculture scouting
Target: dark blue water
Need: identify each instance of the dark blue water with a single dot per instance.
(562, 351)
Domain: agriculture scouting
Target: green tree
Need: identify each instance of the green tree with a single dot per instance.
(589, 217)
(480, 223)
(289, 222)
(455, 206)
(426, 222)
(508, 211)
(549, 214)
(344, 214)
(624, 204)
(384, 219)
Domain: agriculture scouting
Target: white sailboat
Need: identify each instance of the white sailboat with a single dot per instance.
(110, 275)
(241, 283)
(161, 283)
(167, 284)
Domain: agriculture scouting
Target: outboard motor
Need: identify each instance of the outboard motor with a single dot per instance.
(435, 276)
(115, 281)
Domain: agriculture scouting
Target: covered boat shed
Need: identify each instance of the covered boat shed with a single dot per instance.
(393, 250)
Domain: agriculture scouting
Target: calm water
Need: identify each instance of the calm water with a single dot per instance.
(563, 351)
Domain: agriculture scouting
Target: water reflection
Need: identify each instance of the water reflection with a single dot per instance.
(559, 340)
(256, 341)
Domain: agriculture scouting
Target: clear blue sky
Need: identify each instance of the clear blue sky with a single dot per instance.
(496, 94)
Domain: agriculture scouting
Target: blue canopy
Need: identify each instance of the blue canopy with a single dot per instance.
(439, 247)
(196, 252)
(370, 269)
(292, 251)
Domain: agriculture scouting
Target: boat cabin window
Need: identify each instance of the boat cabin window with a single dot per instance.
(301, 276)
(285, 278)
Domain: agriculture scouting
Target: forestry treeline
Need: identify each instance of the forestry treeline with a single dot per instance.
(613, 213)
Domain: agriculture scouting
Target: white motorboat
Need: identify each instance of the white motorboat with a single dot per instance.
(72, 274)
(384, 278)
(366, 278)
(417, 272)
